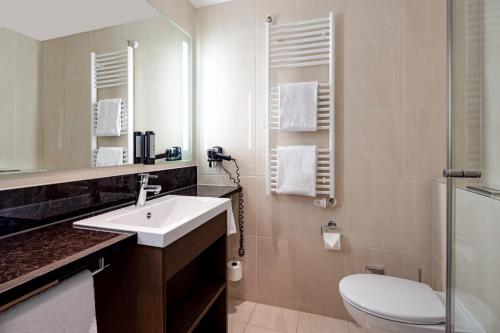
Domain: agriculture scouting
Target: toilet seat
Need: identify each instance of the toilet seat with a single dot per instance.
(393, 299)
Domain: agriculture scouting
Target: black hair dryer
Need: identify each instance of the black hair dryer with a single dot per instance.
(215, 156)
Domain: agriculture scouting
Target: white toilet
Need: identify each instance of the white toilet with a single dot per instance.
(385, 304)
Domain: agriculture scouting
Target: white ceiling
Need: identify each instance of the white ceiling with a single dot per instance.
(204, 3)
(47, 19)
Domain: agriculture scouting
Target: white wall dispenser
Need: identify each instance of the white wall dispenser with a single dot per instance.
(332, 240)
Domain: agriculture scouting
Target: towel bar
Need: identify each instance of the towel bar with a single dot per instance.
(102, 267)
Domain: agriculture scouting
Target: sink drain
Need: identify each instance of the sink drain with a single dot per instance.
(148, 215)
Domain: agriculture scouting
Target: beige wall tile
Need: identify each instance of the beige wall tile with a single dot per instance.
(179, 11)
(28, 54)
(55, 148)
(277, 273)
(374, 75)
(7, 59)
(375, 20)
(78, 56)
(54, 60)
(7, 148)
(356, 259)
(424, 143)
(299, 271)
(374, 145)
(79, 101)
(277, 215)
(54, 103)
(413, 262)
(27, 146)
(385, 194)
(8, 97)
(246, 288)
(104, 40)
(19, 101)
(424, 16)
(425, 71)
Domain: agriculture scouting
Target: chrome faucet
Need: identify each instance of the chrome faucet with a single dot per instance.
(145, 188)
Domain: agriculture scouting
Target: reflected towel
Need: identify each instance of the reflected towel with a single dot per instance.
(66, 307)
(109, 156)
(109, 120)
(297, 170)
(299, 106)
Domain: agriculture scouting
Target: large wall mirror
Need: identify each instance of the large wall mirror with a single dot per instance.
(79, 78)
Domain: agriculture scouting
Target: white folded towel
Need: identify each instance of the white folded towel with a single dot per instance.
(299, 107)
(109, 156)
(66, 307)
(231, 225)
(297, 170)
(109, 120)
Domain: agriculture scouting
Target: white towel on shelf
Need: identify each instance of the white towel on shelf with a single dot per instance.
(109, 118)
(299, 107)
(109, 156)
(66, 307)
(297, 170)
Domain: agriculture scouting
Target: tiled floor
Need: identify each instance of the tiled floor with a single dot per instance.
(249, 317)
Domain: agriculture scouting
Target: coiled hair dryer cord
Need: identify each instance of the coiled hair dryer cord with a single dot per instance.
(241, 210)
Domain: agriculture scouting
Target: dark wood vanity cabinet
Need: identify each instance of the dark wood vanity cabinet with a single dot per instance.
(177, 289)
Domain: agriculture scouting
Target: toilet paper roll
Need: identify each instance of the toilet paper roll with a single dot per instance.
(234, 270)
(331, 241)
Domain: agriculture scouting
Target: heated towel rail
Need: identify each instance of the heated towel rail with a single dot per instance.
(293, 46)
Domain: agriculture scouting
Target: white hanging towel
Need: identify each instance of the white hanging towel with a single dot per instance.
(109, 156)
(231, 225)
(297, 170)
(299, 107)
(66, 307)
(109, 120)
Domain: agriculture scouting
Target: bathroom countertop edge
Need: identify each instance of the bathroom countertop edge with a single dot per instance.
(25, 284)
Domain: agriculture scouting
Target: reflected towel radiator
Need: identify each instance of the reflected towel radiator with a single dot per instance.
(112, 75)
(291, 47)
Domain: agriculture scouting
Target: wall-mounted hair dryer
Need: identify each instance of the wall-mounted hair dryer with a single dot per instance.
(215, 156)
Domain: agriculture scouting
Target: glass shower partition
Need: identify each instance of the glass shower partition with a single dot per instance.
(473, 171)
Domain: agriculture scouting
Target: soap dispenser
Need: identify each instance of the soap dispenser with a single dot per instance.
(149, 143)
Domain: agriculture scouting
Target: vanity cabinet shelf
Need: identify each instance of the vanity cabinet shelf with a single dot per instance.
(178, 289)
(193, 310)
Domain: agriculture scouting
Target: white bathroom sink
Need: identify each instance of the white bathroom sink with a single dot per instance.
(161, 221)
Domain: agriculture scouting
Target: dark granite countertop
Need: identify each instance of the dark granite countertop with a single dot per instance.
(33, 259)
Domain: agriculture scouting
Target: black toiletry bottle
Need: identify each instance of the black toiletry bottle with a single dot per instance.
(150, 147)
(139, 152)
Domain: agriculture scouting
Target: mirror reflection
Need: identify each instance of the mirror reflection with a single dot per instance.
(107, 91)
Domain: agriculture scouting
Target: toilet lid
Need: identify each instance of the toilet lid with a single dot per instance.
(393, 298)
